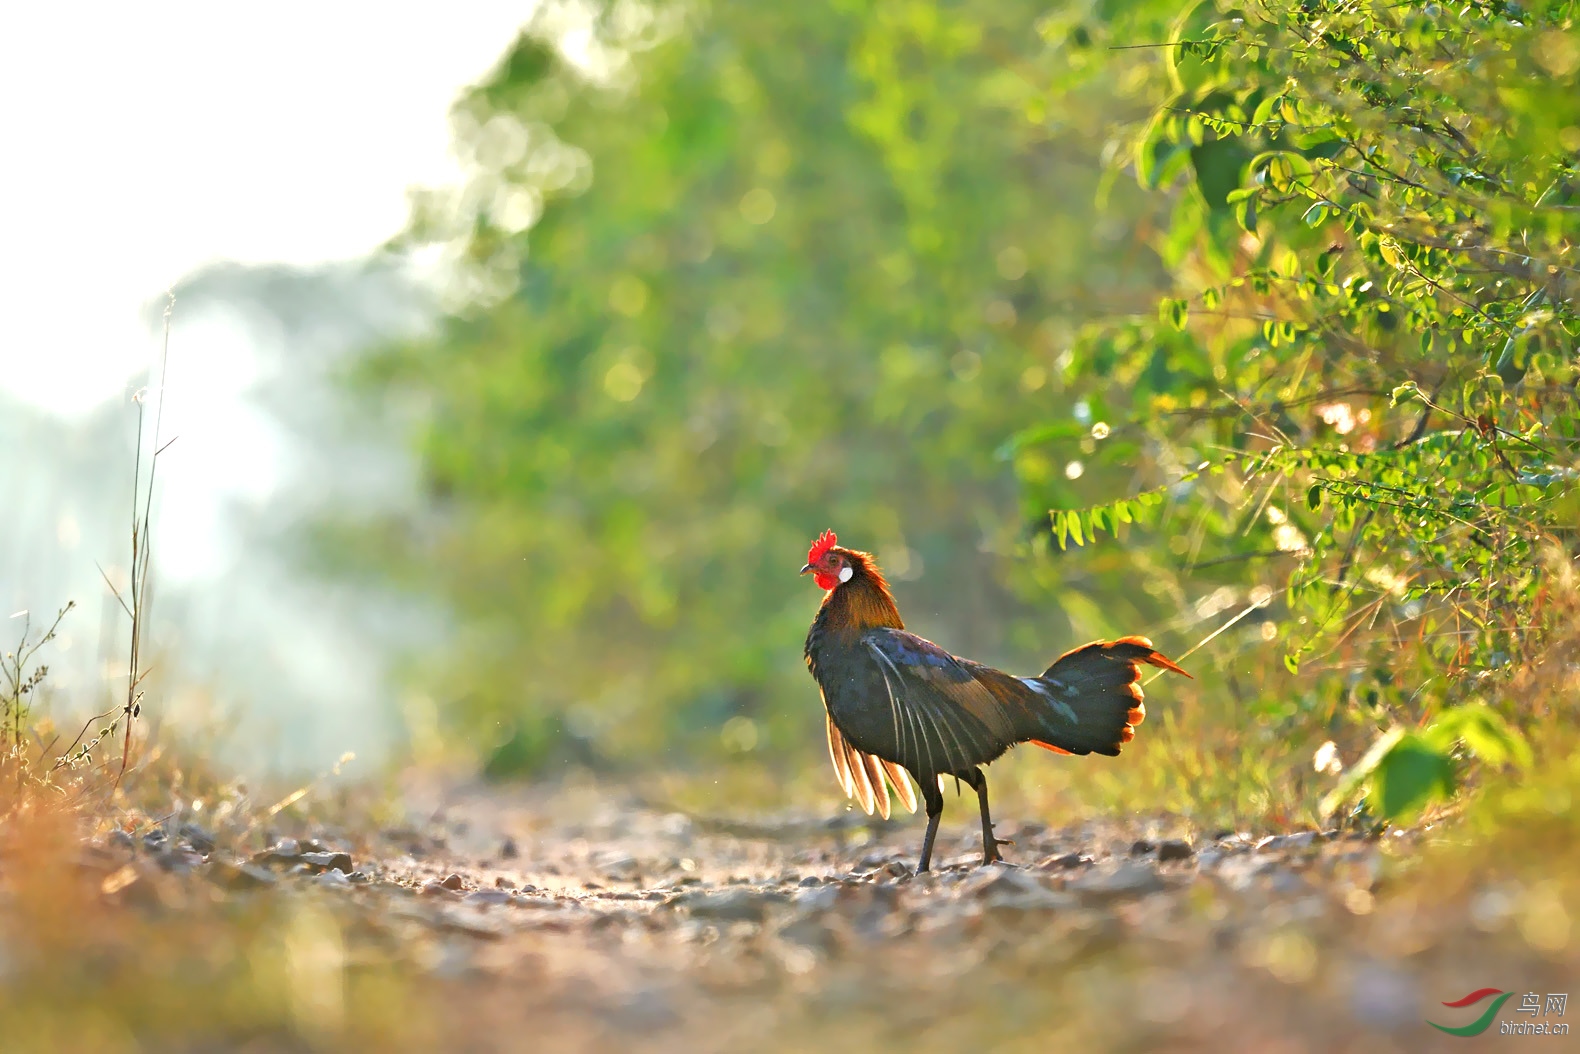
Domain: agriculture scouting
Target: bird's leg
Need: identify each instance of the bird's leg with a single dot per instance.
(935, 811)
(978, 780)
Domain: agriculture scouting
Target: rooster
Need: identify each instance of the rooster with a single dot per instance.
(897, 702)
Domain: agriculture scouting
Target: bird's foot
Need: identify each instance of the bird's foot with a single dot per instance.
(991, 855)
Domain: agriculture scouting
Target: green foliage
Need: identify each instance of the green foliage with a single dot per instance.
(774, 268)
(743, 272)
(1374, 214)
(1404, 772)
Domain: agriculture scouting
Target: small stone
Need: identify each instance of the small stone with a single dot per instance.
(810, 880)
(732, 905)
(1298, 840)
(1067, 861)
(1239, 872)
(234, 874)
(435, 888)
(1141, 847)
(359, 878)
(486, 897)
(509, 850)
(1175, 849)
(178, 861)
(281, 854)
(453, 882)
(816, 899)
(1127, 880)
(328, 861)
(196, 837)
(1013, 889)
(501, 882)
(332, 878)
(156, 839)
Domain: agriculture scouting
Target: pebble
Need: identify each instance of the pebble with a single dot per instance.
(1298, 840)
(486, 897)
(1013, 889)
(285, 852)
(1067, 861)
(329, 861)
(235, 874)
(197, 838)
(731, 905)
(1127, 880)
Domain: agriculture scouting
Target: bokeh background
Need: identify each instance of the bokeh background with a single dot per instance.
(516, 355)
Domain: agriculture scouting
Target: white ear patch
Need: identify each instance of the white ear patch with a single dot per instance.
(846, 573)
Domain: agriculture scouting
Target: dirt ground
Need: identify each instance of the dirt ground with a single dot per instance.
(540, 920)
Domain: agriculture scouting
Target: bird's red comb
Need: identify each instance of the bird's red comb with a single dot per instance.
(821, 546)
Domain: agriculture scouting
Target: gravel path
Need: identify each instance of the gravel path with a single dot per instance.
(544, 922)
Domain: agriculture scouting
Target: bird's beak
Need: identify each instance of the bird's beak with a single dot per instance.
(805, 569)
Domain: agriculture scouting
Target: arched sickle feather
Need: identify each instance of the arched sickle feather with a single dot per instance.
(1153, 656)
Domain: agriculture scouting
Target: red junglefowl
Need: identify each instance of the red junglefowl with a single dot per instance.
(896, 701)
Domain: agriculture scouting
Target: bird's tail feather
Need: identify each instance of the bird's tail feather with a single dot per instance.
(1093, 696)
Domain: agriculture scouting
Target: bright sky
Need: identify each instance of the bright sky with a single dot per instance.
(142, 141)
(139, 143)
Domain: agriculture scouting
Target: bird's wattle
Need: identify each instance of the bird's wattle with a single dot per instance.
(824, 580)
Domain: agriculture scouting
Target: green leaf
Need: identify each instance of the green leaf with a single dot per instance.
(1411, 776)
(1245, 214)
(1314, 497)
(1174, 312)
(1359, 773)
(1483, 731)
(1407, 390)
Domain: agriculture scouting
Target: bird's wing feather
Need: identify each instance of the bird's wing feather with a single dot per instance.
(955, 712)
(862, 776)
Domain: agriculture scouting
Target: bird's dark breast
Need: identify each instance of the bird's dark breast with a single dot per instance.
(854, 692)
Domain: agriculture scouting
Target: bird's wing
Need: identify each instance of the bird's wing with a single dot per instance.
(949, 714)
(863, 776)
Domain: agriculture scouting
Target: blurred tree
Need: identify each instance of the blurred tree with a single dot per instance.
(728, 275)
